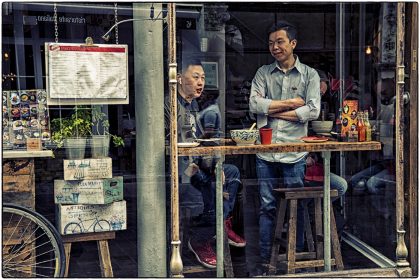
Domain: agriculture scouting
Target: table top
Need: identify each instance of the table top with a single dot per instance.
(280, 148)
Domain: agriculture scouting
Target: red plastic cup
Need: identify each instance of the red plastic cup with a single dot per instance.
(266, 135)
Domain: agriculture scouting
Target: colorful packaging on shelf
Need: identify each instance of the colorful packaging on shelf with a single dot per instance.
(25, 116)
(349, 117)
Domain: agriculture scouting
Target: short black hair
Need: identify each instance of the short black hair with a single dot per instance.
(290, 29)
(187, 62)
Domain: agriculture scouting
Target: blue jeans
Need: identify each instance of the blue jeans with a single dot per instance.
(203, 182)
(268, 174)
(375, 176)
(336, 183)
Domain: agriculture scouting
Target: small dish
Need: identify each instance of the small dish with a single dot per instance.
(32, 98)
(15, 112)
(45, 135)
(34, 123)
(188, 145)
(314, 139)
(24, 97)
(14, 99)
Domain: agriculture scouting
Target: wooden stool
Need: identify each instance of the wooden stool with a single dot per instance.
(311, 258)
(103, 250)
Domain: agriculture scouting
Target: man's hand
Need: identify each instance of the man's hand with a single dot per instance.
(277, 106)
(296, 102)
(323, 87)
(288, 116)
(310, 161)
(191, 170)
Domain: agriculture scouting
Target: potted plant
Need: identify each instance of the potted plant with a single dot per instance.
(100, 141)
(73, 131)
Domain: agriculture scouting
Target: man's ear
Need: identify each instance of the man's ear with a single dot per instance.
(179, 78)
(293, 43)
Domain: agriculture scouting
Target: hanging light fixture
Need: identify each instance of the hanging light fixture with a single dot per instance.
(368, 50)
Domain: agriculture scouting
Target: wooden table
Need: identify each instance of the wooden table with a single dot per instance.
(325, 148)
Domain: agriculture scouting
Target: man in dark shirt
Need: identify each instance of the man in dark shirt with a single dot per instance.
(191, 83)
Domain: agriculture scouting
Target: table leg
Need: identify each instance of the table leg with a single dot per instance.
(327, 209)
(219, 219)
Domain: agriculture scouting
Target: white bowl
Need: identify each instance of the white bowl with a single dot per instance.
(322, 126)
(244, 136)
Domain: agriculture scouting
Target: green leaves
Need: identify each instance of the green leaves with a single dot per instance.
(118, 141)
(80, 124)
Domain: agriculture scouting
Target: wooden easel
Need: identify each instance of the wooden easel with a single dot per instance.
(103, 249)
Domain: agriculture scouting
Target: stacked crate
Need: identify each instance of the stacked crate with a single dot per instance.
(18, 182)
(89, 199)
(19, 188)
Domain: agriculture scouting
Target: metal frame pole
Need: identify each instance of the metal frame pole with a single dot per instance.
(176, 266)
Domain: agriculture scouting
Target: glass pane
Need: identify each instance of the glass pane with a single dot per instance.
(352, 47)
(26, 27)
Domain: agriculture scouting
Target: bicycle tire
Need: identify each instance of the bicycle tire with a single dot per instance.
(72, 228)
(32, 247)
(101, 225)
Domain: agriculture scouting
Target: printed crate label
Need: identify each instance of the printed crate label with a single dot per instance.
(87, 169)
(75, 219)
(101, 191)
(349, 114)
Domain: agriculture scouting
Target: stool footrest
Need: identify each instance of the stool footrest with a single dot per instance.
(299, 256)
(314, 263)
(301, 193)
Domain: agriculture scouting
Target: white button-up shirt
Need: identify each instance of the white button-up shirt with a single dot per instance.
(271, 83)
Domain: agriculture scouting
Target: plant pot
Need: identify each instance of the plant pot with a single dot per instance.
(75, 148)
(100, 146)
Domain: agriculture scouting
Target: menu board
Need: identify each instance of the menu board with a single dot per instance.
(25, 115)
(86, 74)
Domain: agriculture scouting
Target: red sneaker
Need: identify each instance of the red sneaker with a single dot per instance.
(203, 252)
(233, 238)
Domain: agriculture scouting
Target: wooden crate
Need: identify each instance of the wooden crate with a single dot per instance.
(89, 218)
(18, 167)
(87, 169)
(101, 191)
(19, 189)
(19, 183)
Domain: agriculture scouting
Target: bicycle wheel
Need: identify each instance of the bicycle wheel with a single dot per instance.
(72, 228)
(101, 225)
(32, 247)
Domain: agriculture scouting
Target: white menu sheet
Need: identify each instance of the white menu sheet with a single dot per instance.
(88, 72)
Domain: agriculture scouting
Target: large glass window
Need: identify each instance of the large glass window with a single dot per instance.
(352, 47)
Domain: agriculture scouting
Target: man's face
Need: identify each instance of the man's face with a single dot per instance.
(192, 81)
(281, 48)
